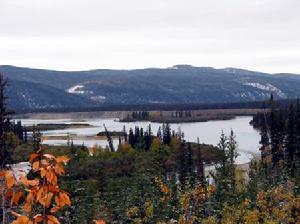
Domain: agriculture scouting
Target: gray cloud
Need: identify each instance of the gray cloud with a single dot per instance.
(82, 34)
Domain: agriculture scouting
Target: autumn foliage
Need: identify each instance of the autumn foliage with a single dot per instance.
(37, 199)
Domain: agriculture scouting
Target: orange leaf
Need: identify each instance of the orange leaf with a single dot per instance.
(16, 197)
(41, 196)
(38, 218)
(62, 159)
(57, 201)
(43, 172)
(33, 156)
(2, 173)
(10, 179)
(64, 199)
(54, 209)
(54, 189)
(27, 207)
(59, 169)
(27, 182)
(99, 222)
(51, 177)
(48, 199)
(52, 219)
(22, 220)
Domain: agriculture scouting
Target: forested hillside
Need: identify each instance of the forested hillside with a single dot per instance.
(181, 84)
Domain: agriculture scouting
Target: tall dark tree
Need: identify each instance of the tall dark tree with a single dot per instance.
(275, 130)
(18, 130)
(182, 164)
(232, 155)
(131, 139)
(73, 149)
(166, 134)
(25, 136)
(264, 138)
(190, 165)
(200, 165)
(5, 156)
(291, 139)
(297, 127)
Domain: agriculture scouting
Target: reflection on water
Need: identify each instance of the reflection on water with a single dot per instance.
(208, 132)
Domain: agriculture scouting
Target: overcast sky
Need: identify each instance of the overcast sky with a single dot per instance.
(261, 35)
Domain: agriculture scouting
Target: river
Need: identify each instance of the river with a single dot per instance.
(209, 132)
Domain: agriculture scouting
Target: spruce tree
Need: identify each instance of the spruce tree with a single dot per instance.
(232, 155)
(182, 164)
(25, 136)
(222, 173)
(291, 140)
(166, 134)
(5, 156)
(264, 140)
(297, 127)
(200, 165)
(275, 138)
(131, 140)
(73, 149)
(190, 165)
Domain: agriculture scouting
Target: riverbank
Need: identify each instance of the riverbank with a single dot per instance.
(51, 127)
(202, 115)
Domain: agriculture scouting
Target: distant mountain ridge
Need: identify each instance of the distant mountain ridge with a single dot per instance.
(180, 84)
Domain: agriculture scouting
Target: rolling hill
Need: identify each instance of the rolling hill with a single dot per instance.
(180, 84)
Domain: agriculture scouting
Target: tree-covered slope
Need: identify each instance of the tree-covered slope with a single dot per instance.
(178, 84)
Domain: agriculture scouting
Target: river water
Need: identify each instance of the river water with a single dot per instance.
(208, 132)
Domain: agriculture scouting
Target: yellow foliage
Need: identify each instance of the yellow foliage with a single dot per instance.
(164, 189)
(156, 145)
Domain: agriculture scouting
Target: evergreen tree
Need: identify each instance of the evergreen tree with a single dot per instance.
(166, 134)
(222, 146)
(254, 179)
(182, 164)
(264, 140)
(19, 131)
(200, 165)
(291, 140)
(148, 138)
(232, 155)
(223, 173)
(25, 136)
(73, 149)
(5, 155)
(277, 136)
(297, 127)
(190, 165)
(131, 139)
